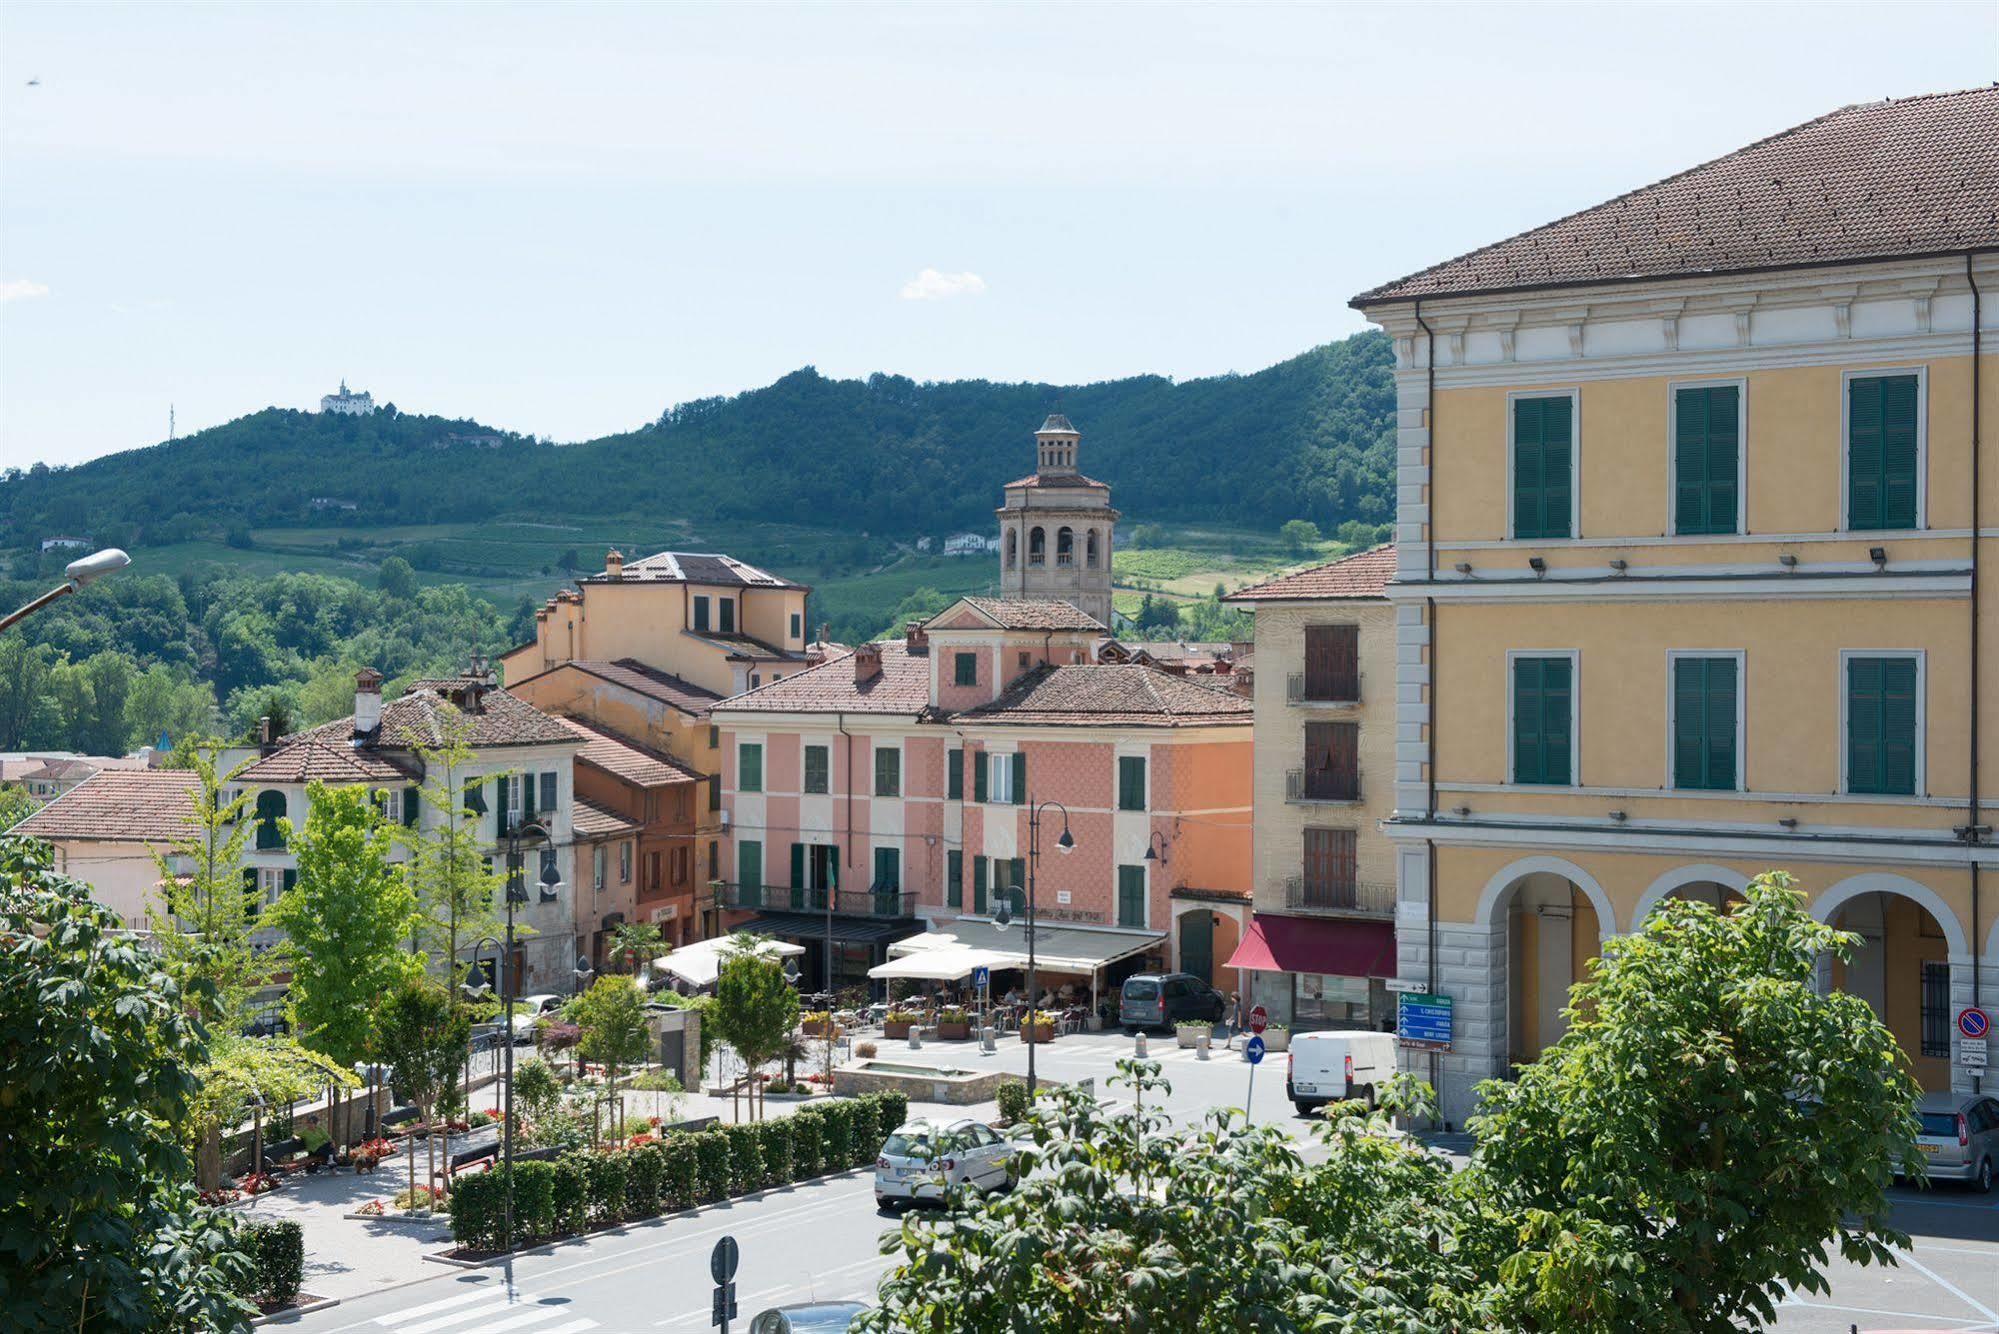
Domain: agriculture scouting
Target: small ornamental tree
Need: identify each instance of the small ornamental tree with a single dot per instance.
(756, 1006)
(611, 1022)
(421, 1033)
(636, 944)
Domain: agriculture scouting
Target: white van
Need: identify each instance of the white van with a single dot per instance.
(1329, 1067)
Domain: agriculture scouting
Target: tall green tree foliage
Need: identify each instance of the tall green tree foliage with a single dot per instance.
(421, 1031)
(457, 894)
(611, 1017)
(756, 1007)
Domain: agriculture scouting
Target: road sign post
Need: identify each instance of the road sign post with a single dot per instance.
(1259, 1018)
(722, 1263)
(1973, 1023)
(1423, 1021)
(1252, 1052)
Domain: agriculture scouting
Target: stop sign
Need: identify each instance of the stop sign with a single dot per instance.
(1259, 1018)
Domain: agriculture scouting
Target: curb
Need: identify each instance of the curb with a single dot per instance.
(317, 1304)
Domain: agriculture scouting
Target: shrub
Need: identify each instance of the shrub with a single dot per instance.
(865, 1050)
(1012, 1103)
(656, 1081)
(836, 1139)
(746, 1158)
(680, 1185)
(775, 1137)
(571, 1195)
(891, 1111)
(953, 1014)
(476, 1208)
(711, 1165)
(902, 1016)
(808, 1133)
(604, 1176)
(645, 1178)
(863, 1140)
(534, 1199)
(277, 1250)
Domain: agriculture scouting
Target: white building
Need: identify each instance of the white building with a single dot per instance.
(353, 405)
(969, 544)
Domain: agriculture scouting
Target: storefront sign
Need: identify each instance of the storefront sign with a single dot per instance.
(1423, 1021)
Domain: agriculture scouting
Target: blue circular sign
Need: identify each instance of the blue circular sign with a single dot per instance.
(1252, 1051)
(1972, 1022)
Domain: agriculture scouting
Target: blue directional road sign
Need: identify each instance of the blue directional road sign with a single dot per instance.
(1423, 1021)
(1252, 1051)
(982, 977)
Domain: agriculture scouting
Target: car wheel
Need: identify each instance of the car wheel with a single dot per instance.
(1305, 1106)
(1982, 1183)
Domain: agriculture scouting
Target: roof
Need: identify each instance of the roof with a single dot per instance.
(590, 820)
(627, 759)
(742, 645)
(901, 687)
(689, 567)
(326, 754)
(58, 770)
(1032, 614)
(1100, 693)
(635, 676)
(1056, 422)
(1873, 181)
(1365, 574)
(418, 717)
(122, 806)
(1073, 479)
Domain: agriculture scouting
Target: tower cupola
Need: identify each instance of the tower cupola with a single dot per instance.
(1055, 445)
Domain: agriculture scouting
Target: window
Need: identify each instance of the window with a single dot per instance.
(1543, 461)
(1936, 1010)
(1706, 694)
(1131, 896)
(1012, 881)
(1881, 713)
(270, 809)
(625, 862)
(411, 802)
(964, 669)
(797, 625)
(1131, 783)
(1037, 547)
(981, 876)
(954, 775)
(714, 860)
(888, 870)
(954, 879)
(714, 736)
(475, 796)
(511, 786)
(701, 612)
(715, 793)
(725, 608)
(755, 680)
(1090, 549)
(1004, 785)
(750, 767)
(1025, 659)
(749, 872)
(678, 859)
(548, 784)
(981, 776)
(1065, 546)
(816, 765)
(597, 861)
(1012, 549)
(1332, 761)
(888, 771)
(1332, 662)
(1543, 722)
(1707, 458)
(1331, 868)
(551, 875)
(1883, 451)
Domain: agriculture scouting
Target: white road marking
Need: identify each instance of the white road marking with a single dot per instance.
(1948, 1286)
(486, 1290)
(455, 1318)
(810, 1287)
(532, 1316)
(1965, 1323)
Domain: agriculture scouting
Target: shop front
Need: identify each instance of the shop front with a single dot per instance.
(1312, 972)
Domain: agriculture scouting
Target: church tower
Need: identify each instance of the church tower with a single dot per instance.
(1056, 528)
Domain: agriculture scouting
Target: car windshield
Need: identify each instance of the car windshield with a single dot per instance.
(1942, 1124)
(1141, 988)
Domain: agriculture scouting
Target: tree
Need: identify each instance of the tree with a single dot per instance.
(634, 944)
(100, 1228)
(250, 1075)
(755, 1005)
(612, 1022)
(1300, 535)
(420, 1031)
(396, 578)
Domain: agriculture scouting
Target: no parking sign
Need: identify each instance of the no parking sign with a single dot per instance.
(1973, 1022)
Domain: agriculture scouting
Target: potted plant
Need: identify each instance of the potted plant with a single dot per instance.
(953, 1025)
(896, 1024)
(1276, 1037)
(816, 1023)
(1190, 1031)
(1037, 1026)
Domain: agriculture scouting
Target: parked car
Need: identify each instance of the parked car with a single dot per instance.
(1337, 1065)
(1161, 1000)
(1959, 1137)
(923, 1160)
(529, 1009)
(811, 1318)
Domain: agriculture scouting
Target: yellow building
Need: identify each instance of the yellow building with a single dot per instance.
(1695, 576)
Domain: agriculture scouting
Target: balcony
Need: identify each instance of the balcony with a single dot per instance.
(1305, 787)
(1360, 898)
(787, 898)
(1300, 689)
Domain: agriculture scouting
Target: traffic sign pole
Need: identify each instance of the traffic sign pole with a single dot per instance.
(722, 1268)
(1252, 1052)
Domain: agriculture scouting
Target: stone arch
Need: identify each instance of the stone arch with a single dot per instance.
(1827, 905)
(1090, 549)
(1680, 877)
(1065, 545)
(1037, 546)
(1496, 889)
(1012, 547)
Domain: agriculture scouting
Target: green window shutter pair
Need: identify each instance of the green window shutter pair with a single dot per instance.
(1131, 896)
(1543, 467)
(888, 771)
(725, 610)
(1881, 439)
(981, 876)
(750, 768)
(1704, 740)
(1131, 783)
(817, 769)
(981, 780)
(411, 800)
(1543, 696)
(750, 872)
(1019, 777)
(888, 869)
(1881, 726)
(1707, 453)
(954, 879)
(954, 775)
(965, 669)
(701, 613)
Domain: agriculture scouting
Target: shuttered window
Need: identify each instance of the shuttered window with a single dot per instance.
(816, 768)
(954, 775)
(1704, 707)
(1543, 721)
(1881, 726)
(750, 872)
(981, 876)
(1881, 481)
(1131, 783)
(1331, 865)
(954, 879)
(888, 771)
(1332, 662)
(888, 870)
(1707, 455)
(410, 804)
(1332, 761)
(1543, 466)
(548, 798)
(981, 775)
(701, 613)
(750, 767)
(725, 611)
(1131, 896)
(964, 669)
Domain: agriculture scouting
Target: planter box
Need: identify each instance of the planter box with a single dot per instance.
(950, 1032)
(1037, 1033)
(816, 1028)
(895, 1028)
(1189, 1037)
(1276, 1039)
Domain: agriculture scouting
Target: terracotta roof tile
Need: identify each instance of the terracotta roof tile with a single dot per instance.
(326, 754)
(418, 717)
(635, 676)
(1365, 574)
(901, 687)
(590, 820)
(120, 805)
(1034, 614)
(1074, 480)
(1100, 694)
(1877, 180)
(628, 759)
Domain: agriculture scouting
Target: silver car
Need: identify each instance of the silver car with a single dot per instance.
(812, 1318)
(1959, 1137)
(924, 1159)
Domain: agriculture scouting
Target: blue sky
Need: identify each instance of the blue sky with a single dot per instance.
(563, 219)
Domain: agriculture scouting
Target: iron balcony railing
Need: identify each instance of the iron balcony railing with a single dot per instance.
(1304, 786)
(1305, 894)
(792, 898)
(1297, 691)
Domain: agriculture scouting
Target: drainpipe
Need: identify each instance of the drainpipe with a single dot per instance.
(1430, 731)
(1976, 836)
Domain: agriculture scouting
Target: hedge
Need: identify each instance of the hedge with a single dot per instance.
(604, 1177)
(712, 1165)
(1012, 1103)
(774, 1137)
(534, 1199)
(677, 1156)
(808, 1135)
(893, 1112)
(746, 1158)
(645, 1177)
(572, 1194)
(277, 1257)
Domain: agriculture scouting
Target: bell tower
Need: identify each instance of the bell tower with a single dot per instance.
(1056, 527)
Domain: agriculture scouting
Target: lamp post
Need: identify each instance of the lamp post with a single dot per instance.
(480, 991)
(1003, 915)
(517, 892)
(75, 575)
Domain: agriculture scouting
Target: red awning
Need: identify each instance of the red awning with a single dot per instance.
(1278, 944)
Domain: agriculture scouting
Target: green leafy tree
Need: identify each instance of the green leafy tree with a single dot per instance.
(100, 1228)
(16, 805)
(612, 1022)
(246, 1076)
(635, 944)
(396, 578)
(756, 1006)
(421, 1030)
(1299, 535)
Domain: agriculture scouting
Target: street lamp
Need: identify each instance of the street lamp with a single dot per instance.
(517, 893)
(490, 986)
(1003, 915)
(75, 575)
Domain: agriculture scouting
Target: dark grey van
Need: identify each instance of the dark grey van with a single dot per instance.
(1161, 1000)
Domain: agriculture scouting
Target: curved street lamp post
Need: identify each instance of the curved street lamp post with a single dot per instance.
(75, 575)
(1003, 914)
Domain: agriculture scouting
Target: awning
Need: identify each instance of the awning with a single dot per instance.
(699, 964)
(1279, 944)
(949, 963)
(812, 926)
(1057, 949)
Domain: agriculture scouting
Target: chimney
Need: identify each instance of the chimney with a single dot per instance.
(913, 636)
(867, 663)
(367, 701)
(614, 562)
(264, 732)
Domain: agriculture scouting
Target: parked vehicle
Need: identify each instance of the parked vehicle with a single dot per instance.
(530, 1008)
(811, 1318)
(1959, 1137)
(1162, 1000)
(1337, 1065)
(923, 1160)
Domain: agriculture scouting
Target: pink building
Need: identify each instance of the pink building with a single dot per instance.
(887, 791)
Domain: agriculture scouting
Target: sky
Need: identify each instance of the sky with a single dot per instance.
(563, 219)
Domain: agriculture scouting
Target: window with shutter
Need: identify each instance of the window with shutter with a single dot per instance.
(528, 794)
(964, 669)
(749, 872)
(1331, 862)
(701, 613)
(548, 785)
(1881, 725)
(1882, 447)
(888, 771)
(725, 611)
(817, 769)
(1707, 455)
(954, 879)
(1543, 467)
(1332, 662)
(888, 870)
(954, 775)
(475, 796)
(410, 803)
(981, 878)
(797, 626)
(1543, 696)
(1131, 783)
(1017, 775)
(981, 776)
(750, 767)
(1131, 896)
(1332, 761)
(1704, 708)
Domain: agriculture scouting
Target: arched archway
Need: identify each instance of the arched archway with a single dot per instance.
(1090, 549)
(1508, 877)
(1553, 917)
(1037, 547)
(1712, 883)
(1012, 547)
(1065, 546)
(1911, 949)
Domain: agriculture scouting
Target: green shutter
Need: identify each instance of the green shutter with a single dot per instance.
(1541, 720)
(252, 899)
(1543, 466)
(954, 775)
(1131, 896)
(1131, 783)
(475, 796)
(980, 874)
(888, 870)
(1019, 777)
(797, 872)
(980, 781)
(1706, 458)
(954, 879)
(750, 873)
(410, 802)
(1881, 726)
(527, 796)
(965, 669)
(1704, 740)
(750, 767)
(291, 878)
(1017, 883)
(1881, 440)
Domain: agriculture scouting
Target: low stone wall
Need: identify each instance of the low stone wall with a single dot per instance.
(918, 1082)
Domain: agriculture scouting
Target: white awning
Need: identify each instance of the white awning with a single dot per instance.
(1057, 949)
(947, 963)
(699, 964)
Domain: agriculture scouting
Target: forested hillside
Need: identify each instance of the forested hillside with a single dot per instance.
(1310, 437)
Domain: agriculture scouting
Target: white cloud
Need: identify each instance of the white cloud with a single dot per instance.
(20, 289)
(930, 285)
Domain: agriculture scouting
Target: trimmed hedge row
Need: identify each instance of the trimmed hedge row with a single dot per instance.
(277, 1254)
(589, 1189)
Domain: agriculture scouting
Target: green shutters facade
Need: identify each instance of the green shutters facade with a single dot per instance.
(749, 873)
(1881, 443)
(1131, 783)
(1705, 745)
(981, 780)
(888, 771)
(954, 775)
(1543, 467)
(981, 875)
(1543, 699)
(1881, 726)
(1707, 454)
(1131, 896)
(964, 669)
(750, 767)
(817, 768)
(954, 879)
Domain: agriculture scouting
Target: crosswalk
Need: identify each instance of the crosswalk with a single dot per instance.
(489, 1308)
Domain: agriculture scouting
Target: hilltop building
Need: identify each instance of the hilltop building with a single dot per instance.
(1693, 500)
(347, 404)
(1055, 528)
